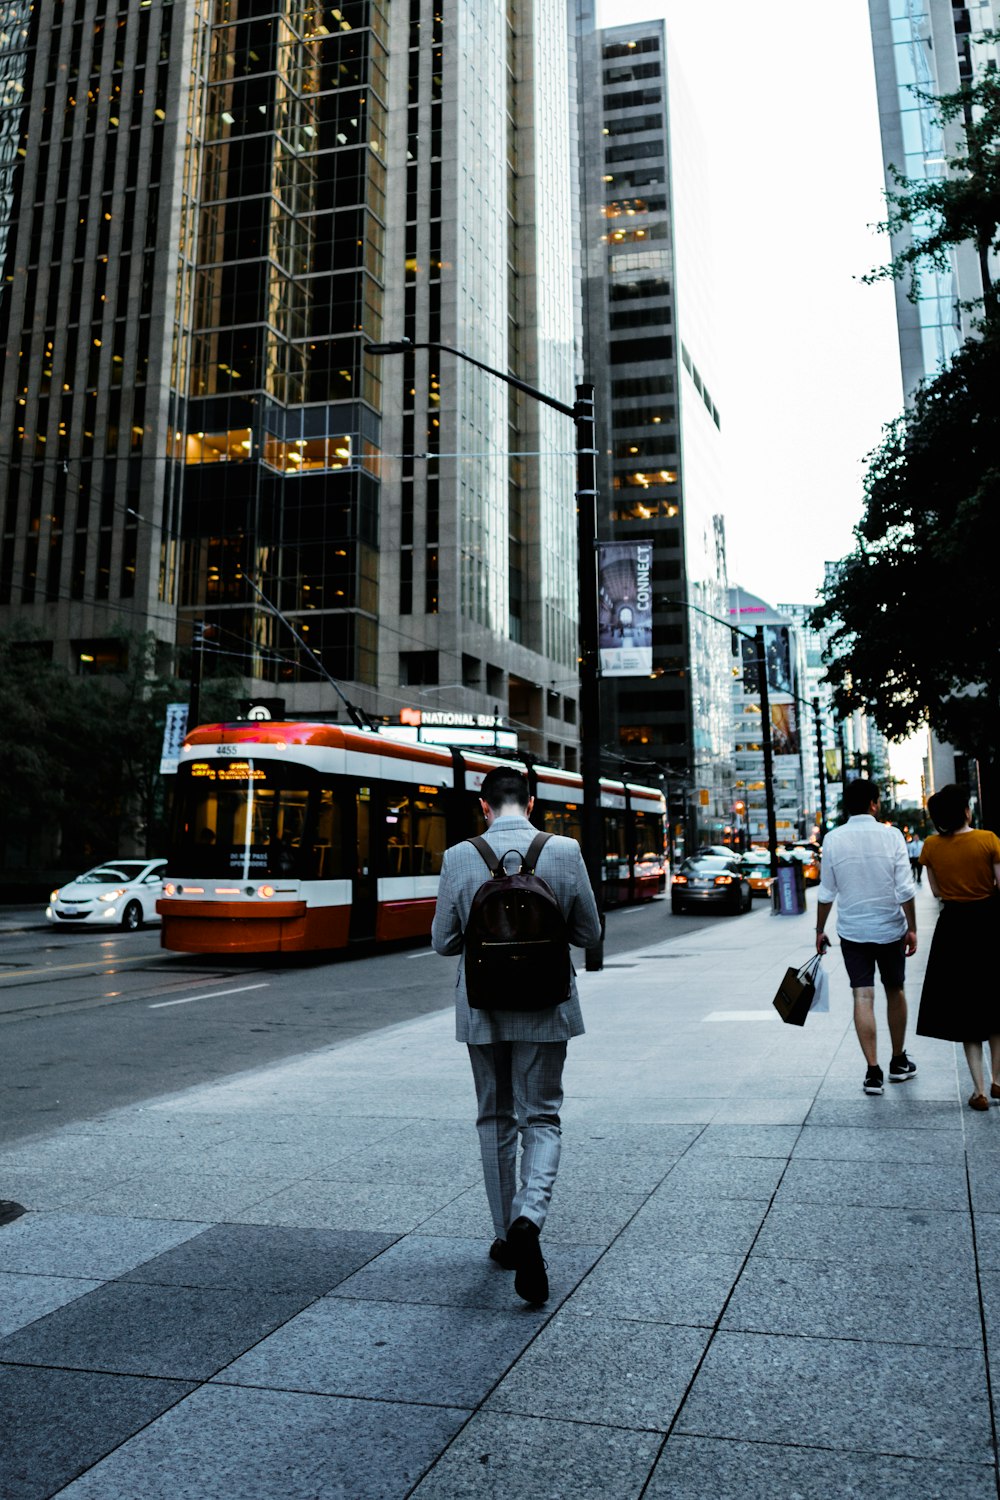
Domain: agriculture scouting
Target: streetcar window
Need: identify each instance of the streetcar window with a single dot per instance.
(562, 820)
(396, 851)
(648, 834)
(323, 854)
(431, 838)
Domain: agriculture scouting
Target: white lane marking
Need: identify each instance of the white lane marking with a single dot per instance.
(162, 1004)
(739, 1015)
(428, 953)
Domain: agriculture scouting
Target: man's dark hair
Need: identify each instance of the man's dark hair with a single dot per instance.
(505, 785)
(948, 808)
(859, 796)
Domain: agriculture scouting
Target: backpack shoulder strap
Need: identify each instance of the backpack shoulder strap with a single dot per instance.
(492, 859)
(534, 850)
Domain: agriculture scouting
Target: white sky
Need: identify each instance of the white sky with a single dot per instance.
(808, 356)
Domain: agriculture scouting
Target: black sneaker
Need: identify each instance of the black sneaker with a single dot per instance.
(900, 1068)
(873, 1083)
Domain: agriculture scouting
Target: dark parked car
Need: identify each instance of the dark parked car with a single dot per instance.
(710, 880)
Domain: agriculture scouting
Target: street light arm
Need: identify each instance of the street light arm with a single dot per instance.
(405, 346)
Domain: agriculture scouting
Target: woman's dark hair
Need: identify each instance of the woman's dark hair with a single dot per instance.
(948, 808)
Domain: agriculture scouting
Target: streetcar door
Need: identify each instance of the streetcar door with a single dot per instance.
(364, 896)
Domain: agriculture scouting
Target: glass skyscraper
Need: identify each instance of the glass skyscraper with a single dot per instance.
(209, 208)
(649, 345)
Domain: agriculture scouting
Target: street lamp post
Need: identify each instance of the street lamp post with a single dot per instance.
(582, 414)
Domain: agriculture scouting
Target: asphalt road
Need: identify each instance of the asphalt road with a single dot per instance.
(92, 1020)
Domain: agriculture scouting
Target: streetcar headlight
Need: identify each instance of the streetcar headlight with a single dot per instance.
(111, 895)
(265, 890)
(170, 889)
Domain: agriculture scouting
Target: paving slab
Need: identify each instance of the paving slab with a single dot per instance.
(645, 1286)
(988, 1241)
(859, 1184)
(746, 1140)
(381, 1208)
(185, 1333)
(922, 1402)
(459, 1273)
(268, 1258)
(605, 1371)
(867, 1143)
(902, 1236)
(388, 1351)
(23, 1299)
(498, 1455)
(692, 1467)
(54, 1424)
(677, 1225)
(713, 1177)
(90, 1245)
(891, 1302)
(272, 1445)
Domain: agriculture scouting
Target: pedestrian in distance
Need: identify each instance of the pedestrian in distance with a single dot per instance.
(915, 848)
(960, 999)
(517, 1055)
(866, 870)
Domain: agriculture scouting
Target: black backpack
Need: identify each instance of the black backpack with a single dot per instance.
(516, 940)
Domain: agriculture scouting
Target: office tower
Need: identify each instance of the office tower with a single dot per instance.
(196, 201)
(923, 49)
(648, 344)
(480, 609)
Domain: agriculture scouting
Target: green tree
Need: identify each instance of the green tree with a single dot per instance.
(934, 215)
(80, 756)
(914, 610)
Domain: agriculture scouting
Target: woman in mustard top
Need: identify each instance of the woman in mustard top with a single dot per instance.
(960, 1000)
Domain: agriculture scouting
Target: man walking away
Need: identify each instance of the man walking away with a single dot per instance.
(915, 849)
(517, 1056)
(866, 869)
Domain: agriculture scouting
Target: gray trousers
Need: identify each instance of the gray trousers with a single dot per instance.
(518, 1087)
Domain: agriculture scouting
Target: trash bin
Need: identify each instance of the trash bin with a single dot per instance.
(790, 890)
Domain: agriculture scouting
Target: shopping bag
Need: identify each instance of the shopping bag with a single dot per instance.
(821, 997)
(796, 993)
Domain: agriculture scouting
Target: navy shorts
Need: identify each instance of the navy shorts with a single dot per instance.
(860, 960)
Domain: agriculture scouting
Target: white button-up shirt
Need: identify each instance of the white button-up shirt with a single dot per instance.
(866, 870)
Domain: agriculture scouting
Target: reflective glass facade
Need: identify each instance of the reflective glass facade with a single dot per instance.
(925, 48)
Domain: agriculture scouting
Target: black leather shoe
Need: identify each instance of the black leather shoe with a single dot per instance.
(530, 1280)
(501, 1252)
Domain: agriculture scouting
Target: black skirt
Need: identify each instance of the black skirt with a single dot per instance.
(960, 999)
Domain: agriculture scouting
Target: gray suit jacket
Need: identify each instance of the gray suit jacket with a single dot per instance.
(462, 873)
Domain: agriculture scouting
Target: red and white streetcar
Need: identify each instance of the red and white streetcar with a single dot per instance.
(296, 836)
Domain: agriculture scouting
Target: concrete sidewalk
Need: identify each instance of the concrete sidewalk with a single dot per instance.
(764, 1283)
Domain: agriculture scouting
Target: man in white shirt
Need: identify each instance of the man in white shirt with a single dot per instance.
(866, 869)
(914, 849)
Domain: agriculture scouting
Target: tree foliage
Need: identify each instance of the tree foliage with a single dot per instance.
(962, 205)
(915, 609)
(80, 756)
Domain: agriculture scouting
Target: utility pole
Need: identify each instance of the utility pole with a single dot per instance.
(765, 713)
(822, 770)
(582, 413)
(197, 668)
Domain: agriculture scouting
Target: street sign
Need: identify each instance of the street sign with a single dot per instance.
(174, 730)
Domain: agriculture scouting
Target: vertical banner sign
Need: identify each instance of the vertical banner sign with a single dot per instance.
(832, 758)
(784, 734)
(625, 608)
(174, 731)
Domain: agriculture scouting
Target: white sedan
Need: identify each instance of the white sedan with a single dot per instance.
(122, 892)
